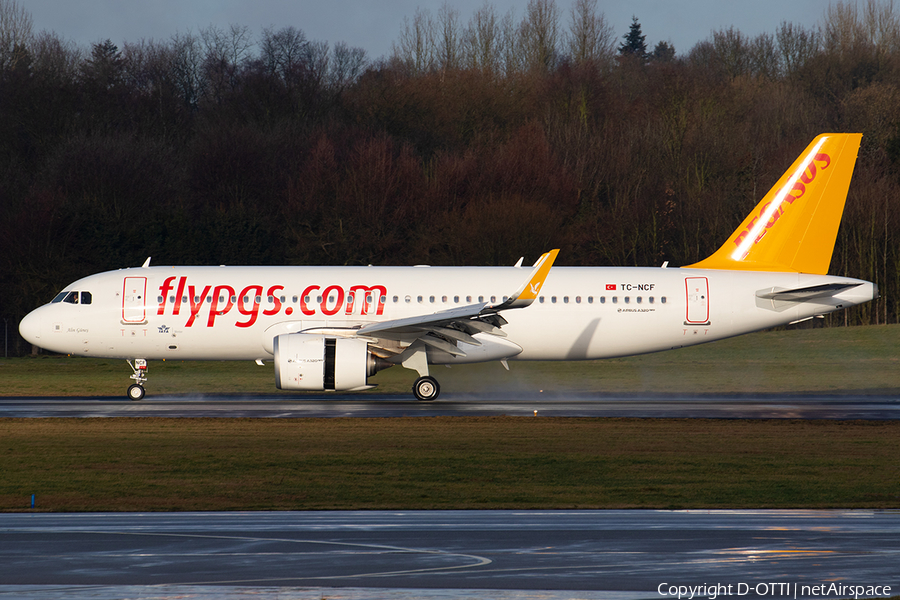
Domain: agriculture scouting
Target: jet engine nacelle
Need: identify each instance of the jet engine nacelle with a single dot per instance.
(316, 363)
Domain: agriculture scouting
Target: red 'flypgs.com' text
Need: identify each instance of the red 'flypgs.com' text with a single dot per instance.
(221, 299)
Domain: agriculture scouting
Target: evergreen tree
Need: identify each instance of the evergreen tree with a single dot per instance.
(663, 52)
(634, 44)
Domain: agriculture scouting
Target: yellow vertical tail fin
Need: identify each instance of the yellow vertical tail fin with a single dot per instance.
(794, 226)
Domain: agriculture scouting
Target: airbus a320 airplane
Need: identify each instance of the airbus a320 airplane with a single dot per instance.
(331, 328)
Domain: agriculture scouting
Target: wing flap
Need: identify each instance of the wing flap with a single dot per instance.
(433, 319)
(456, 335)
(436, 342)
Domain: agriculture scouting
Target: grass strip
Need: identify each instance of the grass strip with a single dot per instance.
(151, 464)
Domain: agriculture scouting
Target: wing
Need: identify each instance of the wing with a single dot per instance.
(443, 330)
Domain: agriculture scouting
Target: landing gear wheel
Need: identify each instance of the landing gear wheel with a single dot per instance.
(135, 392)
(426, 388)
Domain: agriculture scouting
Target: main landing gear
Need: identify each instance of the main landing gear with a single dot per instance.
(136, 390)
(426, 388)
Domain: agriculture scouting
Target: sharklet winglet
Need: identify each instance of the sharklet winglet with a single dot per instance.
(526, 294)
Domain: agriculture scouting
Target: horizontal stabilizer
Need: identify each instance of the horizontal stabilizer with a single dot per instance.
(805, 294)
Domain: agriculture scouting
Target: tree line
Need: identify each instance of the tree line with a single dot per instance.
(471, 143)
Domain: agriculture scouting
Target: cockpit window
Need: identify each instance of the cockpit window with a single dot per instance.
(73, 298)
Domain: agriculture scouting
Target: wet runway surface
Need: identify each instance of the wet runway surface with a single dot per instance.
(431, 554)
(572, 405)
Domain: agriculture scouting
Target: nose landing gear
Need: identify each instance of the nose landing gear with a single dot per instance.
(136, 390)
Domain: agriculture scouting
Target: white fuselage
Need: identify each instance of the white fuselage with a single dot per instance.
(234, 313)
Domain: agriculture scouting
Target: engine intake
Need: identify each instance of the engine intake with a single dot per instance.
(319, 363)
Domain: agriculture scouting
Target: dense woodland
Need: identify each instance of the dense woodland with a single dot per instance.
(481, 138)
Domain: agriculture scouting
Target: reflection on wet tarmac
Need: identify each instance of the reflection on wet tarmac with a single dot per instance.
(615, 555)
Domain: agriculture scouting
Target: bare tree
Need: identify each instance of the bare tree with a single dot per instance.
(416, 47)
(797, 45)
(848, 28)
(510, 43)
(482, 40)
(137, 61)
(449, 37)
(15, 33)
(539, 35)
(316, 62)
(225, 53)
(765, 60)
(733, 51)
(55, 58)
(347, 65)
(187, 63)
(844, 30)
(283, 51)
(590, 38)
(882, 25)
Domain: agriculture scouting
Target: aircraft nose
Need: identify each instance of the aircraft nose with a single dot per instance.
(30, 328)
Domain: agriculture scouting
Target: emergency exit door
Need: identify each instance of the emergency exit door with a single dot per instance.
(134, 300)
(697, 290)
